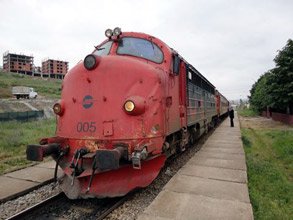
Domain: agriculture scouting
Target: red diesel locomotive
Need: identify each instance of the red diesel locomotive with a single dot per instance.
(128, 106)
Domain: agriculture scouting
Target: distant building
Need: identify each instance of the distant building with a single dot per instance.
(54, 68)
(18, 63)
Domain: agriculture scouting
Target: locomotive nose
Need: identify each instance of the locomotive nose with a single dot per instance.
(109, 99)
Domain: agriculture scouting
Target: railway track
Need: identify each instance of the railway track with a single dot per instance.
(60, 206)
(26, 212)
(60, 201)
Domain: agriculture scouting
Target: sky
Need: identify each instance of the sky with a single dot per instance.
(231, 42)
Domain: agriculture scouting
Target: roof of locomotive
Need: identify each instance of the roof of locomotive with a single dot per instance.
(143, 35)
(222, 96)
(163, 44)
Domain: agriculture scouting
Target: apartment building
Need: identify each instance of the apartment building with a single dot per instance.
(18, 63)
(54, 68)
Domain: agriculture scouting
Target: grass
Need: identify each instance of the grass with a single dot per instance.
(14, 136)
(247, 112)
(269, 157)
(44, 87)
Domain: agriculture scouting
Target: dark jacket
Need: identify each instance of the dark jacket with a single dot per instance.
(231, 113)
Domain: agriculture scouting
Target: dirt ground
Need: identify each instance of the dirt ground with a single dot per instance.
(12, 106)
(262, 122)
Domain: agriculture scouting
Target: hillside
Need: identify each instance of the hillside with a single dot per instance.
(49, 88)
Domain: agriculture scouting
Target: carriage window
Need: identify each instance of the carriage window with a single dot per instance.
(104, 49)
(190, 75)
(140, 48)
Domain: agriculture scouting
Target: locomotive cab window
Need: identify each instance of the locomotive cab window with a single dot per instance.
(104, 49)
(140, 48)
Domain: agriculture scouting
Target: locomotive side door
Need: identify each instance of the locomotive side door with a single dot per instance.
(182, 95)
(176, 116)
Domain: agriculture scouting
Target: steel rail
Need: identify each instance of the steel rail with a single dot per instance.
(26, 211)
(59, 196)
(113, 207)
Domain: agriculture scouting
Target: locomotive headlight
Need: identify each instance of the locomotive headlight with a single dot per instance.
(108, 33)
(58, 108)
(117, 31)
(134, 105)
(129, 106)
(90, 62)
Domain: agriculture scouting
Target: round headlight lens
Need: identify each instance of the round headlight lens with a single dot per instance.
(117, 31)
(129, 106)
(57, 109)
(90, 62)
(108, 33)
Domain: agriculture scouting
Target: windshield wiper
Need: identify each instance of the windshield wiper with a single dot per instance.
(101, 48)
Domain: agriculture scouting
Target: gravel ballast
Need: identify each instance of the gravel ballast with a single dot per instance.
(14, 206)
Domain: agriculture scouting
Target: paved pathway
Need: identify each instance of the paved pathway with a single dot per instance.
(21, 181)
(212, 185)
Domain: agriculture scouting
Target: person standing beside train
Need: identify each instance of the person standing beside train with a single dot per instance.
(231, 115)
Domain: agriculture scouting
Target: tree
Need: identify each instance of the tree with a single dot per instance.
(275, 88)
(282, 80)
(260, 98)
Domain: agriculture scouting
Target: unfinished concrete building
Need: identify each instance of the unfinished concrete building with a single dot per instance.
(18, 63)
(54, 68)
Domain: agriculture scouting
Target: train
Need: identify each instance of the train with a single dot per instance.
(128, 106)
